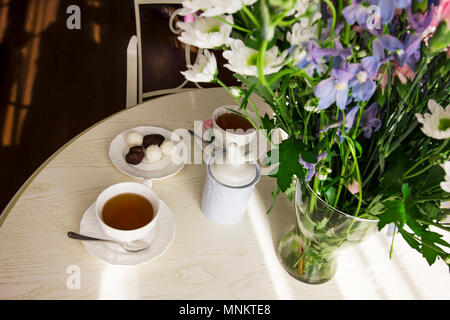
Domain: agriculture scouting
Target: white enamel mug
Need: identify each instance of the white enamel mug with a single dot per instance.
(226, 204)
(239, 137)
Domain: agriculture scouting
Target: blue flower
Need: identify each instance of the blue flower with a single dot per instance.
(370, 121)
(311, 167)
(356, 12)
(408, 49)
(335, 88)
(420, 22)
(314, 60)
(387, 8)
(349, 121)
(362, 84)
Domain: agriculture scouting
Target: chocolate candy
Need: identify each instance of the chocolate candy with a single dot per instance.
(135, 156)
(137, 149)
(153, 139)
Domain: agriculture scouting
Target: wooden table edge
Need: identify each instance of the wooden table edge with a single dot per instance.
(22, 189)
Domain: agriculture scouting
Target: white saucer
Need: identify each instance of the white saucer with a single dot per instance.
(161, 169)
(113, 253)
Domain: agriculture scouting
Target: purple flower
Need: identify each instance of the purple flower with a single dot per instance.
(378, 49)
(311, 167)
(404, 50)
(418, 21)
(370, 122)
(335, 88)
(317, 52)
(349, 121)
(314, 60)
(356, 12)
(387, 8)
(362, 84)
(337, 29)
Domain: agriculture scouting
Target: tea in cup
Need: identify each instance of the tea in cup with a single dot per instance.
(128, 211)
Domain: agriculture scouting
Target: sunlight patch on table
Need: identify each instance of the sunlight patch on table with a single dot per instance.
(260, 225)
(119, 282)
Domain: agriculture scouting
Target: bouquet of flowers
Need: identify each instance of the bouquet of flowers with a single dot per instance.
(362, 88)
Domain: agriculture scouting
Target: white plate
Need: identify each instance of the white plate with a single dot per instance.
(114, 253)
(161, 169)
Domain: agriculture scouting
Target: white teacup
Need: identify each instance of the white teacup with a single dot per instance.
(226, 137)
(128, 187)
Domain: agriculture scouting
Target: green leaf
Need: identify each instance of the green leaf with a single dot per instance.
(289, 164)
(441, 37)
(413, 243)
(359, 147)
(432, 210)
(267, 123)
(275, 193)
(406, 190)
(430, 252)
(434, 237)
(395, 212)
(330, 194)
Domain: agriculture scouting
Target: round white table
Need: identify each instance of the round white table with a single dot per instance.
(205, 260)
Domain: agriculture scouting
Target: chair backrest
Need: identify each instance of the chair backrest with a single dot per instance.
(179, 88)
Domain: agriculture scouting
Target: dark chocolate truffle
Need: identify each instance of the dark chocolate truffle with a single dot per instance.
(137, 149)
(153, 139)
(134, 157)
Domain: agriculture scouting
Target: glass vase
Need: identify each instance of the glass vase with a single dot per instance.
(309, 250)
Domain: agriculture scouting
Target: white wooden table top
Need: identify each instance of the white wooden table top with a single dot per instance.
(205, 260)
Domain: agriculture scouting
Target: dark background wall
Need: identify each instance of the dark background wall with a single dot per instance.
(56, 82)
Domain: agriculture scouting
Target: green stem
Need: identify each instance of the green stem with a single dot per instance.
(333, 12)
(358, 175)
(421, 70)
(286, 23)
(233, 25)
(305, 135)
(344, 168)
(417, 173)
(319, 23)
(433, 224)
(407, 175)
(261, 62)
(279, 18)
(251, 16)
(392, 243)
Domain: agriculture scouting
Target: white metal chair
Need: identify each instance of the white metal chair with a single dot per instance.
(135, 92)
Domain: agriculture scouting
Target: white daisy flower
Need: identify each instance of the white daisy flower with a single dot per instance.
(213, 8)
(445, 185)
(206, 32)
(301, 32)
(301, 7)
(437, 124)
(204, 70)
(242, 59)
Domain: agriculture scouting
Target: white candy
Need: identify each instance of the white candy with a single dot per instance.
(153, 153)
(134, 139)
(168, 148)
